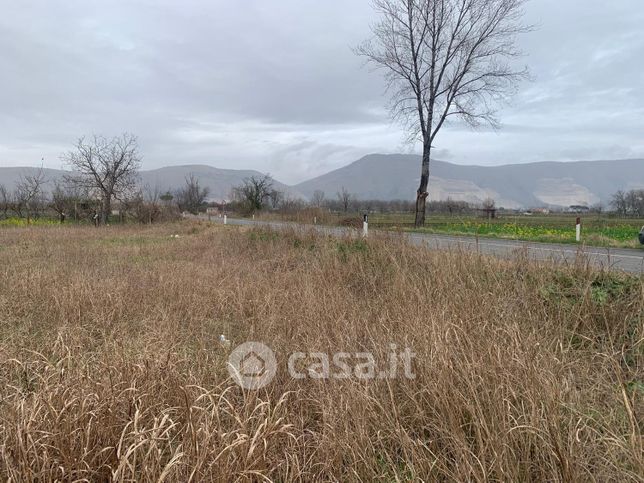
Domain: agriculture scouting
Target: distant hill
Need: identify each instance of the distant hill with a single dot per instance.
(9, 177)
(397, 176)
(219, 181)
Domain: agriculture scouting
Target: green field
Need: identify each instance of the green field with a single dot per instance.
(597, 230)
(603, 230)
(22, 222)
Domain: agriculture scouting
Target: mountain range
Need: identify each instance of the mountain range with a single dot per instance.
(396, 176)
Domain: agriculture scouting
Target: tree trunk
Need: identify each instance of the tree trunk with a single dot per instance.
(421, 194)
(106, 209)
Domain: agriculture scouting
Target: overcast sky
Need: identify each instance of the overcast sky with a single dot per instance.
(274, 85)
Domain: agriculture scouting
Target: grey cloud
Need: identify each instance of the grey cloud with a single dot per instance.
(274, 86)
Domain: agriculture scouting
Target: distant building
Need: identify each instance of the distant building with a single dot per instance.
(540, 211)
(578, 209)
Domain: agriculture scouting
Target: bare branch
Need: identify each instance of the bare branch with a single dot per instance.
(108, 167)
(445, 59)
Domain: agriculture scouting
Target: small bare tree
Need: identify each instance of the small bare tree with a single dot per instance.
(317, 199)
(256, 192)
(109, 167)
(344, 197)
(5, 200)
(192, 197)
(146, 204)
(28, 197)
(444, 59)
(489, 207)
(276, 198)
(489, 204)
(619, 203)
(635, 202)
(63, 200)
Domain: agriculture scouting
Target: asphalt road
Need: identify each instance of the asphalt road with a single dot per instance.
(622, 259)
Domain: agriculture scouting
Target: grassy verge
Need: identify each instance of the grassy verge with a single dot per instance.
(111, 367)
(596, 231)
(602, 231)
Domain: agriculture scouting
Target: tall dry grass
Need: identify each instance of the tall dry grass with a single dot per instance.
(111, 368)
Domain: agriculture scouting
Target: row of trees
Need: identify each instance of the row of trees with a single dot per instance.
(104, 172)
(26, 200)
(344, 201)
(36, 197)
(629, 203)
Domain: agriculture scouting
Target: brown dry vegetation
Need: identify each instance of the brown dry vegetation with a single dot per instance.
(110, 366)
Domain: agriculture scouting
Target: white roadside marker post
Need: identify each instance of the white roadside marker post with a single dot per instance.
(315, 220)
(578, 229)
(225, 219)
(365, 225)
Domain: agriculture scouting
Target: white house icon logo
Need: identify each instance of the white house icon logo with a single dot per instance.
(252, 365)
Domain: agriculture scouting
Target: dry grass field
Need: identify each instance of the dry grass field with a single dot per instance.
(111, 368)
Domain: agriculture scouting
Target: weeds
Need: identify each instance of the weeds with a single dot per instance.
(22, 222)
(112, 370)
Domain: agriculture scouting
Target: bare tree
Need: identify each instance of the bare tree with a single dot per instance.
(255, 192)
(444, 59)
(344, 197)
(109, 167)
(152, 200)
(192, 197)
(631, 202)
(5, 200)
(450, 206)
(28, 197)
(635, 200)
(63, 200)
(619, 203)
(489, 206)
(146, 205)
(276, 198)
(317, 199)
